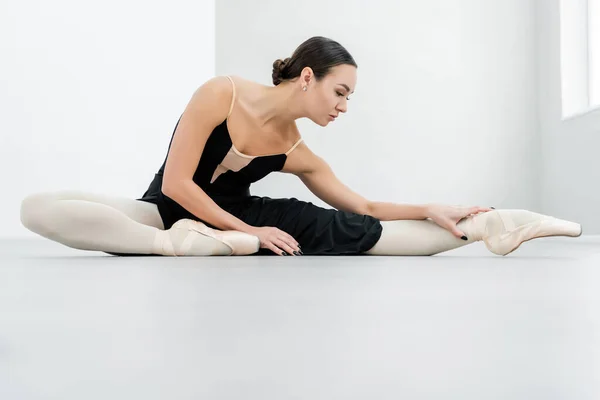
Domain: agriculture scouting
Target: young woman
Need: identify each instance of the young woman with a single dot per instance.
(234, 132)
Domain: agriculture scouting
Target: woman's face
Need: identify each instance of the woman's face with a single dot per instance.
(327, 98)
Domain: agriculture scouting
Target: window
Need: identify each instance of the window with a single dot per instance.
(580, 55)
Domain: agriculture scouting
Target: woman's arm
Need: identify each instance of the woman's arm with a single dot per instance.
(320, 179)
(207, 108)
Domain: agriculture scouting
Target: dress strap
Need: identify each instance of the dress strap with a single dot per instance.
(232, 98)
(294, 146)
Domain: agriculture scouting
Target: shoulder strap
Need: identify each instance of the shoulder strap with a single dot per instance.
(294, 146)
(232, 97)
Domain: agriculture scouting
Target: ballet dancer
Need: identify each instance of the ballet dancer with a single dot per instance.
(234, 132)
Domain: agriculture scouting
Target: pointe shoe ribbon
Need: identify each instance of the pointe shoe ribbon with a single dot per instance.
(163, 244)
(240, 243)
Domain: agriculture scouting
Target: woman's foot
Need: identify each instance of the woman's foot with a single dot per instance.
(193, 238)
(503, 231)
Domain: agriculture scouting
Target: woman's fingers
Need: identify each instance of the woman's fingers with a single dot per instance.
(285, 247)
(451, 226)
(279, 246)
(290, 244)
(280, 242)
(476, 210)
(293, 244)
(275, 249)
(290, 240)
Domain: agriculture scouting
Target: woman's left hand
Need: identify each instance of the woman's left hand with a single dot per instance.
(448, 216)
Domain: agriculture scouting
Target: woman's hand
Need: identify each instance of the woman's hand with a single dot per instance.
(276, 240)
(448, 216)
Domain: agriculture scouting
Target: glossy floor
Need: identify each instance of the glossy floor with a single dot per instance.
(462, 325)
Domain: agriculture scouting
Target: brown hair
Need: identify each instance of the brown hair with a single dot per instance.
(319, 53)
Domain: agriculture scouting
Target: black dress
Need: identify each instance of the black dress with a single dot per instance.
(225, 174)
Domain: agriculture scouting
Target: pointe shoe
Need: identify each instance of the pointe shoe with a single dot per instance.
(196, 239)
(240, 243)
(506, 230)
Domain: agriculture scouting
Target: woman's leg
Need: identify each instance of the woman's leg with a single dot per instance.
(318, 230)
(502, 231)
(119, 225)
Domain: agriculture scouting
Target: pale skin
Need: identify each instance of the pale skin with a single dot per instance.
(263, 122)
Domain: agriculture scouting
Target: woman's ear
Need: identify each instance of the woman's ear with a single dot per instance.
(306, 76)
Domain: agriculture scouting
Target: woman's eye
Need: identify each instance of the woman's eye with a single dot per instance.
(341, 94)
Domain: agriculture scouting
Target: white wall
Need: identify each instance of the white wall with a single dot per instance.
(90, 93)
(571, 172)
(444, 109)
(445, 104)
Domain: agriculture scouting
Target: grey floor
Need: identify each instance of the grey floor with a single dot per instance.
(463, 325)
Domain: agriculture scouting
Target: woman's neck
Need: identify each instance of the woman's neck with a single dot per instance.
(276, 108)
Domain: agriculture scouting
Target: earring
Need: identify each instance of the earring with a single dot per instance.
(304, 88)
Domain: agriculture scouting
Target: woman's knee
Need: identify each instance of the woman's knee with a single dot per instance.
(32, 211)
(38, 211)
(37, 208)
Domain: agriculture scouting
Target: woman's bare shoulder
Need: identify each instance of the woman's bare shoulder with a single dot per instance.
(247, 86)
(301, 160)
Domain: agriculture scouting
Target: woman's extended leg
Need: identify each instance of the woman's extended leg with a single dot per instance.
(121, 225)
(502, 231)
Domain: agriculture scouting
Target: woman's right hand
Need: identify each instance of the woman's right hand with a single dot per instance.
(276, 240)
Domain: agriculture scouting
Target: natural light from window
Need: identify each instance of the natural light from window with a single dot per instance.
(574, 57)
(580, 56)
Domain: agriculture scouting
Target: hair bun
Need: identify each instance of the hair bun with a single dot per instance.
(278, 68)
